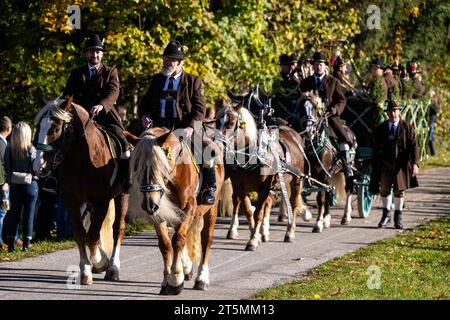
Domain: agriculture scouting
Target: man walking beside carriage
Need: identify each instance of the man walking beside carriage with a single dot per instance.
(395, 163)
(329, 90)
(175, 100)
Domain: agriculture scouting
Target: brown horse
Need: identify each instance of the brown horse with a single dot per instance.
(72, 145)
(250, 172)
(166, 170)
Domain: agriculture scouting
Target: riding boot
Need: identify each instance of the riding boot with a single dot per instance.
(124, 175)
(398, 219)
(210, 179)
(26, 245)
(385, 219)
(11, 244)
(348, 171)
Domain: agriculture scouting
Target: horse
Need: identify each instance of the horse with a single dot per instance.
(166, 170)
(252, 163)
(77, 151)
(323, 160)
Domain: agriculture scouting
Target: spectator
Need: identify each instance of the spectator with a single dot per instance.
(5, 130)
(434, 109)
(19, 157)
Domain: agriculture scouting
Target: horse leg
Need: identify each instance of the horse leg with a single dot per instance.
(98, 257)
(295, 198)
(175, 280)
(249, 210)
(282, 215)
(233, 231)
(266, 220)
(165, 246)
(321, 206)
(255, 236)
(327, 217)
(121, 207)
(209, 220)
(79, 234)
(347, 218)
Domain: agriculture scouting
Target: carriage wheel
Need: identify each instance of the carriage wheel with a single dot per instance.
(365, 199)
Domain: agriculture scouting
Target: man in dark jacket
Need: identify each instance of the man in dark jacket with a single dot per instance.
(175, 100)
(329, 90)
(95, 87)
(395, 163)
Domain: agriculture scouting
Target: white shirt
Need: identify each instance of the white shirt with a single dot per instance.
(176, 83)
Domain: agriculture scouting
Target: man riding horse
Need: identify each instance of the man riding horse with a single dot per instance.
(329, 90)
(175, 100)
(96, 88)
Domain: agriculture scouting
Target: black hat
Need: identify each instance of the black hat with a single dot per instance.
(391, 105)
(94, 42)
(377, 62)
(320, 57)
(339, 61)
(174, 50)
(287, 59)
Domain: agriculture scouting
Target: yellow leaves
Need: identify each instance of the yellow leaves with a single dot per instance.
(415, 11)
(316, 296)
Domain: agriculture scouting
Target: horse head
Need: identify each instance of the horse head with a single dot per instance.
(309, 116)
(52, 123)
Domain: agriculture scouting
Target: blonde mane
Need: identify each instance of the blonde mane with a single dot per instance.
(55, 111)
(149, 159)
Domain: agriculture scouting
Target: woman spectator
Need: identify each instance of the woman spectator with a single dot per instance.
(19, 157)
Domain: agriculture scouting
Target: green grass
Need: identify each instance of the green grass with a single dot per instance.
(137, 226)
(441, 160)
(413, 265)
(36, 249)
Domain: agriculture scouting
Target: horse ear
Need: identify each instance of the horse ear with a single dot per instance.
(162, 138)
(69, 103)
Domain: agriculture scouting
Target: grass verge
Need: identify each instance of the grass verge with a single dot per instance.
(413, 265)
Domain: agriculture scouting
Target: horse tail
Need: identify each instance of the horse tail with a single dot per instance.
(338, 181)
(193, 240)
(106, 232)
(226, 199)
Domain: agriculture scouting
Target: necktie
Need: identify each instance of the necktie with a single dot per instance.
(170, 99)
(318, 82)
(392, 131)
(93, 72)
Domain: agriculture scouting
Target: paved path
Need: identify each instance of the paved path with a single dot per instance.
(234, 273)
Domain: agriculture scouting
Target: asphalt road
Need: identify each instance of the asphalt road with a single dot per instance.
(234, 273)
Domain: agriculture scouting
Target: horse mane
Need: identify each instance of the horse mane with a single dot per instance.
(250, 125)
(148, 154)
(53, 106)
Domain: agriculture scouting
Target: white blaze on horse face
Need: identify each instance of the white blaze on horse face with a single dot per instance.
(45, 126)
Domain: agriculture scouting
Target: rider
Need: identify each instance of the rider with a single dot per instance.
(290, 78)
(175, 100)
(95, 87)
(329, 90)
(340, 73)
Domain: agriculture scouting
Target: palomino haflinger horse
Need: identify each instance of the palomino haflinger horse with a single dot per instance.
(322, 159)
(165, 168)
(72, 146)
(253, 160)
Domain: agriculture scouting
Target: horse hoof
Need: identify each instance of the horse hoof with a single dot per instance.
(189, 276)
(316, 230)
(281, 218)
(86, 280)
(112, 276)
(345, 221)
(232, 235)
(250, 247)
(288, 239)
(201, 285)
(163, 291)
(265, 238)
(173, 291)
